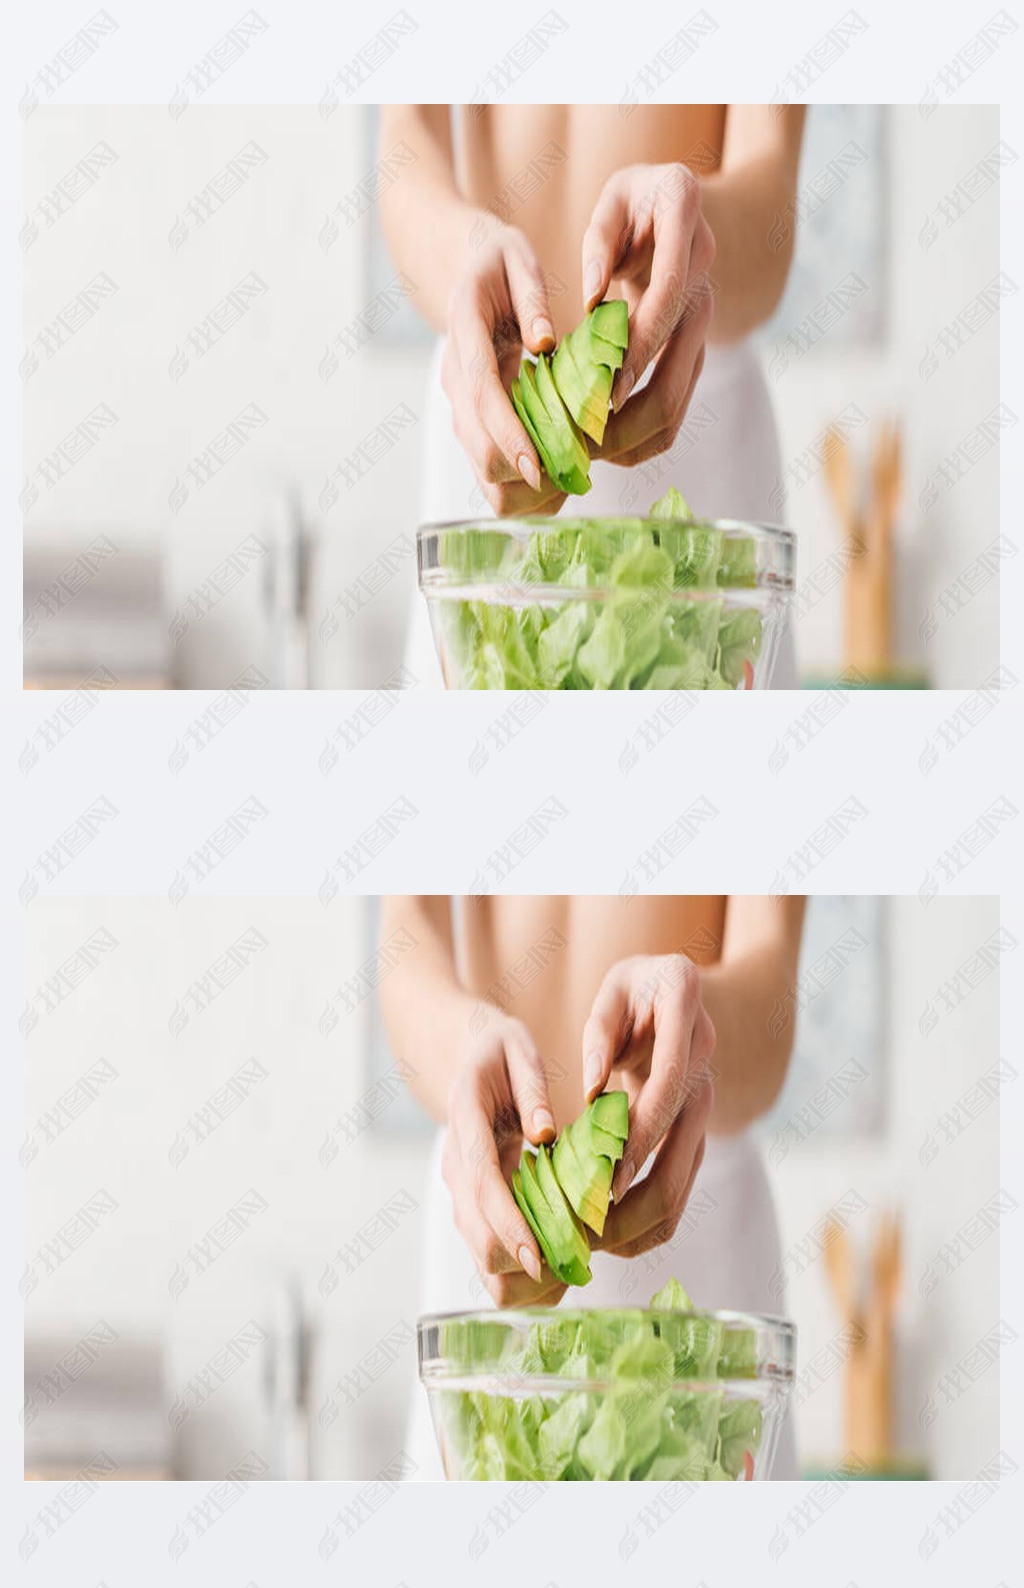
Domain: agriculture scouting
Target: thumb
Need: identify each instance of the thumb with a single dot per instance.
(529, 294)
(606, 1031)
(605, 239)
(529, 1084)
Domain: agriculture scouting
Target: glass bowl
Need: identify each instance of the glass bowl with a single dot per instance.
(587, 1394)
(606, 603)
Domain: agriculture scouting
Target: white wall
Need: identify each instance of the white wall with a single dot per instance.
(925, 289)
(273, 224)
(927, 1072)
(270, 225)
(272, 1142)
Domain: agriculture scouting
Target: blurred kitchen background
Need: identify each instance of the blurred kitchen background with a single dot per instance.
(223, 386)
(224, 1173)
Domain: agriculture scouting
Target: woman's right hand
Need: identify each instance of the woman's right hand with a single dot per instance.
(498, 1098)
(498, 307)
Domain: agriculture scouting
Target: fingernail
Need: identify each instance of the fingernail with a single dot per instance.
(592, 1073)
(543, 331)
(591, 281)
(529, 1262)
(529, 471)
(542, 1122)
(623, 387)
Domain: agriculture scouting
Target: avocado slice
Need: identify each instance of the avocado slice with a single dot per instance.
(589, 1152)
(551, 1231)
(594, 1215)
(593, 1210)
(599, 1140)
(528, 1194)
(535, 415)
(585, 388)
(565, 1227)
(554, 440)
(611, 1112)
(526, 1210)
(568, 380)
(611, 320)
(570, 393)
(576, 450)
(589, 1167)
(586, 1180)
(556, 1190)
(589, 347)
(527, 422)
(602, 352)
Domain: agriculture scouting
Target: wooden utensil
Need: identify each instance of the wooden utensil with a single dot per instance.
(868, 536)
(869, 1327)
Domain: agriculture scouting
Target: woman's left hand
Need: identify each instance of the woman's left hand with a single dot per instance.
(648, 238)
(650, 1035)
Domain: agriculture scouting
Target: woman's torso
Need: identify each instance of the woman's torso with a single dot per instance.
(542, 168)
(542, 959)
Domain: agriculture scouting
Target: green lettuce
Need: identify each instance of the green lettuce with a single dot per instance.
(655, 619)
(667, 1407)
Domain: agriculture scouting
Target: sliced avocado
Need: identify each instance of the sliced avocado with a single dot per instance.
(588, 348)
(611, 320)
(569, 381)
(566, 375)
(542, 432)
(585, 1179)
(585, 388)
(568, 1171)
(523, 1201)
(579, 483)
(603, 352)
(528, 425)
(557, 1190)
(600, 1140)
(611, 1112)
(577, 455)
(594, 1214)
(568, 1174)
(598, 1166)
(565, 1226)
(593, 1208)
(554, 438)
(534, 1210)
(561, 1258)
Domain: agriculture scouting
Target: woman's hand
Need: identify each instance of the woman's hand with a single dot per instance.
(649, 1034)
(648, 238)
(498, 307)
(499, 1096)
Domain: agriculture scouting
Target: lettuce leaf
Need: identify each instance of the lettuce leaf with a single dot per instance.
(739, 1430)
(642, 1424)
(672, 505)
(671, 1298)
(654, 618)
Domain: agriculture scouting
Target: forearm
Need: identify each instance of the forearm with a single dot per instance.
(427, 222)
(425, 1007)
(742, 993)
(742, 201)
(748, 274)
